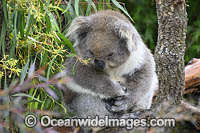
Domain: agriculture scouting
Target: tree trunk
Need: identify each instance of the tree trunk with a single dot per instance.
(169, 52)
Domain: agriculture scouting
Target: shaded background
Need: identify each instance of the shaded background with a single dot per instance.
(143, 13)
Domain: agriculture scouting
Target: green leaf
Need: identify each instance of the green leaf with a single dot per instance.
(108, 5)
(26, 95)
(36, 103)
(31, 91)
(22, 24)
(3, 36)
(41, 7)
(88, 8)
(48, 24)
(53, 2)
(47, 5)
(59, 19)
(44, 102)
(5, 11)
(29, 23)
(71, 55)
(94, 6)
(100, 5)
(24, 72)
(76, 6)
(53, 22)
(66, 41)
(14, 41)
(121, 8)
(44, 59)
(68, 6)
(49, 68)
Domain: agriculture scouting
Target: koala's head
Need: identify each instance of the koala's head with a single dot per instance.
(107, 38)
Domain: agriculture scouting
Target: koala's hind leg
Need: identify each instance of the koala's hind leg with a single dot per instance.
(86, 105)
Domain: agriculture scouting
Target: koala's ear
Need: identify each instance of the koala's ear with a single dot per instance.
(78, 28)
(136, 39)
(126, 30)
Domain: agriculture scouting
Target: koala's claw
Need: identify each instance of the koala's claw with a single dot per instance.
(124, 89)
(109, 103)
(108, 106)
(130, 115)
(118, 105)
(122, 92)
(121, 108)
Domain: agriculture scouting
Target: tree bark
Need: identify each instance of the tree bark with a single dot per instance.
(169, 52)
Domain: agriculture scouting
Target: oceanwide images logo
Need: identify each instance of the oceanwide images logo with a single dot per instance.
(46, 121)
(30, 120)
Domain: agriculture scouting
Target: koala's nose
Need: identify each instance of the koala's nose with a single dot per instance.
(99, 64)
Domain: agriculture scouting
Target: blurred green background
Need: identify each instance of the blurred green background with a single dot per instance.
(143, 13)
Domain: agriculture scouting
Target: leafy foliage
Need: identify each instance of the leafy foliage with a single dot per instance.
(143, 13)
(193, 31)
(33, 48)
(34, 36)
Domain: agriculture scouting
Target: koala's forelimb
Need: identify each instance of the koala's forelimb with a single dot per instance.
(96, 83)
(140, 92)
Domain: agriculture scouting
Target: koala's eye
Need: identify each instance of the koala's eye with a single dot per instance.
(91, 52)
(111, 54)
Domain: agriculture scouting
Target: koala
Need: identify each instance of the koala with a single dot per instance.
(120, 76)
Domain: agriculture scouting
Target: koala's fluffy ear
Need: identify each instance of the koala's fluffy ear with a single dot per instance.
(78, 28)
(137, 40)
(126, 30)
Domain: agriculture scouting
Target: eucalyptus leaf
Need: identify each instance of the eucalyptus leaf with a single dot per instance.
(26, 95)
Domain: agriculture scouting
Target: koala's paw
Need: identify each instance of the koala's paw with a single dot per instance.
(121, 90)
(131, 115)
(119, 105)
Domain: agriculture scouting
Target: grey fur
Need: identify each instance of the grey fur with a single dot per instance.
(109, 37)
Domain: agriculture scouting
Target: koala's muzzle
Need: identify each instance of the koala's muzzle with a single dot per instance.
(99, 64)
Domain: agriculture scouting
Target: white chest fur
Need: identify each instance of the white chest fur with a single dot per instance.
(134, 62)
